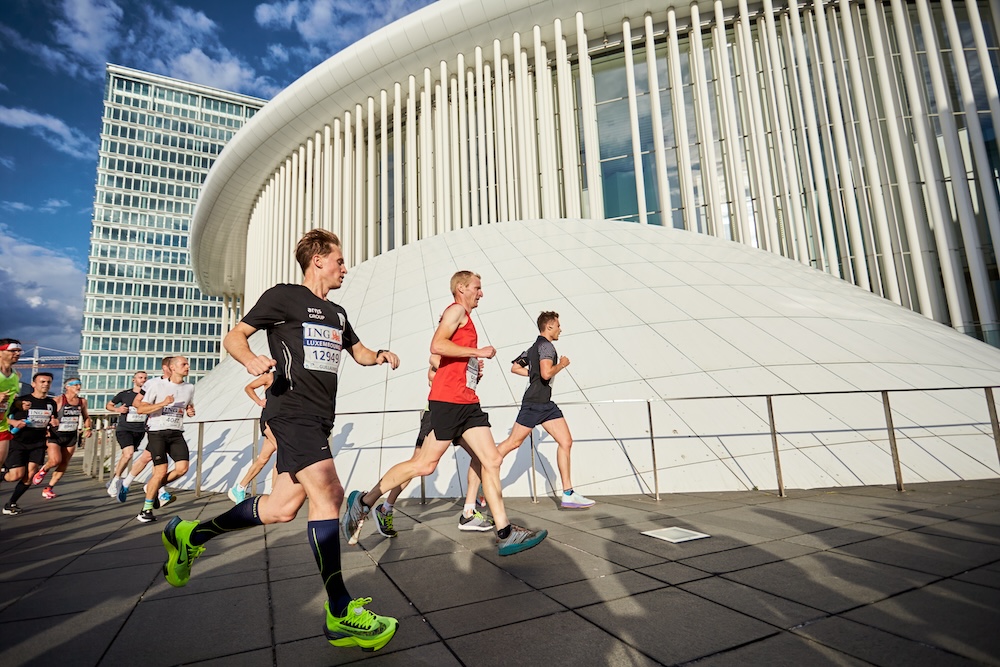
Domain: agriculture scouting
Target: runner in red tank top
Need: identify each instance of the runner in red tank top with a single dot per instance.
(455, 413)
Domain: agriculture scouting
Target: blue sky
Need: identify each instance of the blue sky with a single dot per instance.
(52, 57)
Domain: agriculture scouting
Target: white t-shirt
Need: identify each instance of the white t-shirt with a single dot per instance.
(171, 417)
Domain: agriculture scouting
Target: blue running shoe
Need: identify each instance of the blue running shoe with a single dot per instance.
(520, 539)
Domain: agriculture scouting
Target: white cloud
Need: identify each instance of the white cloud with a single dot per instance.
(333, 23)
(3, 88)
(52, 130)
(89, 29)
(276, 55)
(225, 71)
(17, 206)
(53, 205)
(41, 292)
(7, 161)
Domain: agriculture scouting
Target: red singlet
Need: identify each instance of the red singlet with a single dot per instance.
(456, 378)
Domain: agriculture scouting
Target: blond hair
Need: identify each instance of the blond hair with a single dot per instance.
(462, 278)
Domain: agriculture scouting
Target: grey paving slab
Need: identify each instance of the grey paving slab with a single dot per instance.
(672, 625)
(958, 617)
(771, 609)
(876, 646)
(934, 554)
(560, 639)
(914, 577)
(831, 582)
(783, 650)
(478, 616)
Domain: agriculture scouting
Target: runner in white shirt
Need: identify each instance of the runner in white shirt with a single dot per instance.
(166, 402)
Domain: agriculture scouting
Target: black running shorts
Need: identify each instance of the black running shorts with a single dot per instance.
(302, 441)
(18, 457)
(425, 429)
(67, 439)
(167, 443)
(451, 420)
(129, 438)
(533, 414)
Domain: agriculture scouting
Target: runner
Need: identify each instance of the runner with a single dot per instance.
(166, 402)
(130, 429)
(10, 387)
(308, 333)
(64, 439)
(239, 492)
(32, 415)
(144, 457)
(455, 413)
(540, 363)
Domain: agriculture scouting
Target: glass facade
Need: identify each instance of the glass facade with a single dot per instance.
(159, 138)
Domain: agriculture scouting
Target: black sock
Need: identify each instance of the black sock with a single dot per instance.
(324, 537)
(241, 517)
(504, 532)
(19, 490)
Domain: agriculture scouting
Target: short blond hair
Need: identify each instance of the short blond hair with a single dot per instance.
(462, 278)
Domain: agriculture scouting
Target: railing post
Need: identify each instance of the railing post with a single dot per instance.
(201, 447)
(652, 446)
(892, 441)
(100, 460)
(534, 479)
(774, 446)
(993, 418)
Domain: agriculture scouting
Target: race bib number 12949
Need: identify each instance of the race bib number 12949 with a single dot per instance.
(321, 345)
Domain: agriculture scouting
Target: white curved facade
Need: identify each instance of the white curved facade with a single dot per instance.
(647, 313)
(833, 133)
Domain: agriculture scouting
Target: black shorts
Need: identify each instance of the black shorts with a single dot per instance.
(533, 414)
(19, 457)
(129, 438)
(451, 420)
(302, 441)
(425, 429)
(65, 439)
(167, 443)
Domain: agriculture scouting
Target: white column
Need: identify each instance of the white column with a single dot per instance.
(826, 241)
(439, 199)
(985, 61)
(446, 168)
(510, 140)
(426, 120)
(284, 211)
(347, 189)
(397, 166)
(317, 181)
(656, 113)
(567, 127)
(308, 181)
(633, 121)
(411, 163)
(295, 191)
(336, 180)
(371, 214)
(491, 178)
(480, 94)
(729, 128)
(588, 109)
(706, 134)
(475, 205)
(532, 136)
(959, 181)
(546, 130)
(463, 143)
(454, 104)
(383, 174)
(523, 182)
(500, 140)
(360, 221)
(679, 114)
(849, 200)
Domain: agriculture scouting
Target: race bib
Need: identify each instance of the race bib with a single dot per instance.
(39, 418)
(472, 373)
(67, 424)
(321, 345)
(134, 416)
(5, 401)
(173, 416)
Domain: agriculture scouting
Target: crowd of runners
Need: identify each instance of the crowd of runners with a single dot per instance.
(307, 336)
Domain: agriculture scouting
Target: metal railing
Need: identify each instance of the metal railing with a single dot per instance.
(101, 444)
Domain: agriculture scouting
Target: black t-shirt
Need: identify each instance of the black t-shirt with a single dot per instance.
(131, 420)
(38, 412)
(306, 335)
(538, 390)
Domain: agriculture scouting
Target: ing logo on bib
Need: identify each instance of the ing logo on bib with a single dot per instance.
(321, 346)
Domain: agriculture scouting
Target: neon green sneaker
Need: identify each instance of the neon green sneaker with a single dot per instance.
(180, 552)
(359, 627)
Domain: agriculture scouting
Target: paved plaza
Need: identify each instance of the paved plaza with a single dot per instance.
(841, 577)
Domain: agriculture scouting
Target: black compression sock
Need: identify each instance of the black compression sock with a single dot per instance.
(324, 538)
(19, 490)
(243, 516)
(504, 532)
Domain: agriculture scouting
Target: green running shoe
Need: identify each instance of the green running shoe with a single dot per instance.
(359, 627)
(180, 552)
(384, 523)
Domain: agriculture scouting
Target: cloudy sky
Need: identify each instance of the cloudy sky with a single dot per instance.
(52, 57)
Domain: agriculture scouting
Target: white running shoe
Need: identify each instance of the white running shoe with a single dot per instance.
(114, 486)
(576, 501)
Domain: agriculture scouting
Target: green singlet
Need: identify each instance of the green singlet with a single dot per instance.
(10, 385)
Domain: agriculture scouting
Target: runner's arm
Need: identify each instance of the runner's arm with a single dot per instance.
(237, 344)
(365, 357)
(441, 343)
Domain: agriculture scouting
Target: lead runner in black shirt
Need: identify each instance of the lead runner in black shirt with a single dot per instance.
(307, 335)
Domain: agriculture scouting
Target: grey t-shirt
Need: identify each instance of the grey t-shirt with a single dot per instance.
(539, 390)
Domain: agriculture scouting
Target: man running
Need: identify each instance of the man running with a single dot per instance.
(74, 423)
(166, 402)
(32, 415)
(145, 459)
(309, 334)
(129, 431)
(540, 363)
(239, 491)
(455, 413)
(10, 387)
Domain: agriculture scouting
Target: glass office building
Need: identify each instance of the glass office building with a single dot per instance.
(159, 137)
